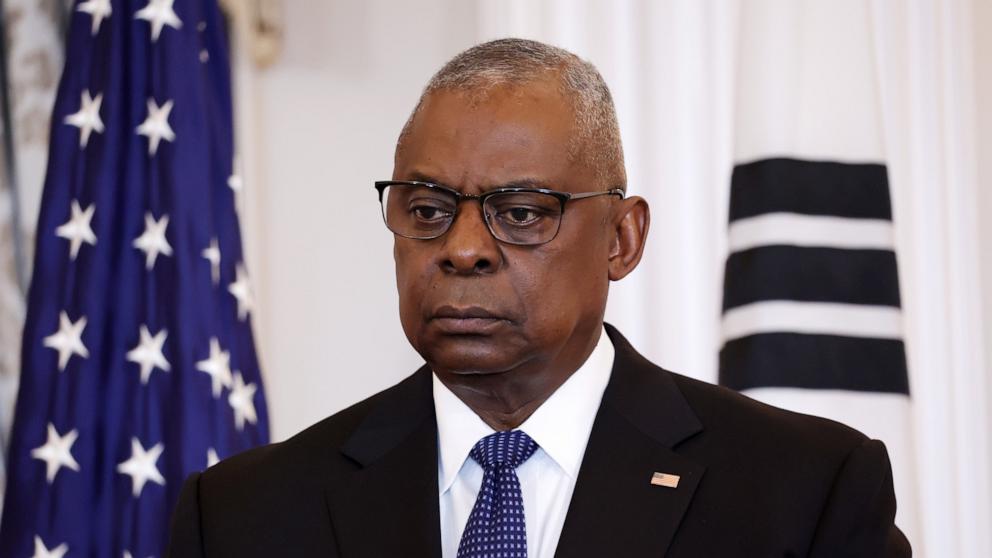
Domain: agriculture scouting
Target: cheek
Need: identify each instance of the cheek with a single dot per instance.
(565, 284)
(581, 259)
(410, 275)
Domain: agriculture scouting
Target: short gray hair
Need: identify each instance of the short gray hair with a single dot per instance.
(514, 62)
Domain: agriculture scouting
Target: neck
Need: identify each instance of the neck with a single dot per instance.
(502, 413)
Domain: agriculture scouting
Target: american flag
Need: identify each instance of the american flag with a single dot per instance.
(138, 362)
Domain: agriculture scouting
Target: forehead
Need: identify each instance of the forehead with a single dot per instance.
(510, 134)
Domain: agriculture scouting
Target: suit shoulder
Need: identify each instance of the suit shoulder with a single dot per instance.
(257, 502)
(729, 413)
(306, 452)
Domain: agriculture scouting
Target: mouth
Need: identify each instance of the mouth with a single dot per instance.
(471, 320)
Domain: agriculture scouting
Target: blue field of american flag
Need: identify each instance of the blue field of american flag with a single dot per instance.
(138, 362)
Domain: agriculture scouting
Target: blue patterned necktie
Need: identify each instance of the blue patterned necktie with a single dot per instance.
(496, 525)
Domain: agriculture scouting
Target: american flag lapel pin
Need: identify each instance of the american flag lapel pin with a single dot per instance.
(667, 480)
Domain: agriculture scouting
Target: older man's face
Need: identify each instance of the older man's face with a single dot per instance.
(469, 303)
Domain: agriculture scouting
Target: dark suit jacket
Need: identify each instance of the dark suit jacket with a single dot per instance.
(755, 481)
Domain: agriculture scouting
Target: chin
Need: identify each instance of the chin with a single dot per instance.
(470, 355)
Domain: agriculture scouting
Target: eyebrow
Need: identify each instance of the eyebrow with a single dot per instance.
(516, 183)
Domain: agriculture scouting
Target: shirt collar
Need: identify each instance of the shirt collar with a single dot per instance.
(560, 426)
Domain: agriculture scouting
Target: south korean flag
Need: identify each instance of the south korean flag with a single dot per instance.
(812, 318)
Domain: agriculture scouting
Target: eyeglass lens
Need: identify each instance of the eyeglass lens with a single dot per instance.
(515, 217)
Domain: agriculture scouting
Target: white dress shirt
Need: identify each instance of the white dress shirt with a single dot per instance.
(561, 428)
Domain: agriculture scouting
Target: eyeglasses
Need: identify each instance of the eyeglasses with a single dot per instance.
(522, 216)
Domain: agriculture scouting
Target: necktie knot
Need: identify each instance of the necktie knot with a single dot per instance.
(507, 449)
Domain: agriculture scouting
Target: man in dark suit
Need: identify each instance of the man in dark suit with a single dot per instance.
(533, 429)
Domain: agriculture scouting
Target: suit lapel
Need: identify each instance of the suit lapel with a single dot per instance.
(615, 510)
(389, 507)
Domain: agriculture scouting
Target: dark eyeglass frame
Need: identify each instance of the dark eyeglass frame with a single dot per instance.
(563, 198)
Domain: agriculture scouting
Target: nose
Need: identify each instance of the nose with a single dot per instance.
(469, 248)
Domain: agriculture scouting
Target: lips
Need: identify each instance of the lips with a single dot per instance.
(471, 320)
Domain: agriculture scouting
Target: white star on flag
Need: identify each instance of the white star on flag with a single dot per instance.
(236, 183)
(148, 353)
(77, 229)
(152, 242)
(141, 466)
(242, 291)
(68, 339)
(212, 458)
(88, 118)
(98, 9)
(212, 254)
(156, 125)
(159, 13)
(41, 551)
(242, 402)
(217, 366)
(56, 452)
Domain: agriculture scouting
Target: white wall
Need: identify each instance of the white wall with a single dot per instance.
(318, 129)
(983, 77)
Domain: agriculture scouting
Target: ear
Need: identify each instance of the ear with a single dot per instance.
(631, 222)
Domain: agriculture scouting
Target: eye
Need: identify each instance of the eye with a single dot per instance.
(428, 207)
(522, 210)
(429, 213)
(520, 215)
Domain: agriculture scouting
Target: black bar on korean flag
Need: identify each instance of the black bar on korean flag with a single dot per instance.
(810, 187)
(814, 362)
(811, 275)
